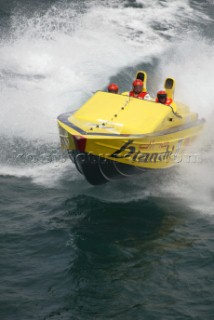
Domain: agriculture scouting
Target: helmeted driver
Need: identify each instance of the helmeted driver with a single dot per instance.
(162, 98)
(137, 90)
(113, 88)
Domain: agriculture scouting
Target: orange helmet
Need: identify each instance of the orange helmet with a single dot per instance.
(161, 96)
(113, 88)
(137, 82)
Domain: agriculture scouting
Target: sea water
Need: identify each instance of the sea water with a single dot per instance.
(137, 249)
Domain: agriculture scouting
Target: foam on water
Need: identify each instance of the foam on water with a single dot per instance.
(193, 181)
(193, 73)
(47, 175)
(53, 61)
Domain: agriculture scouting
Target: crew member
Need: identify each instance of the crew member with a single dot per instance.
(137, 90)
(113, 88)
(162, 98)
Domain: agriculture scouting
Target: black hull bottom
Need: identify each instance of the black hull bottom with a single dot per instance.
(99, 170)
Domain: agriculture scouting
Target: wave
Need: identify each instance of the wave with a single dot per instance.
(52, 61)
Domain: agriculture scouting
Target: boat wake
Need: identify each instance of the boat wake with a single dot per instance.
(51, 62)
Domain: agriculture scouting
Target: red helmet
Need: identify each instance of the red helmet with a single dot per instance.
(113, 88)
(137, 82)
(161, 95)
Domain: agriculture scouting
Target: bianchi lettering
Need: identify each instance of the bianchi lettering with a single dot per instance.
(129, 151)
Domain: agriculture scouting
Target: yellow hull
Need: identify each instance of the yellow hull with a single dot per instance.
(127, 131)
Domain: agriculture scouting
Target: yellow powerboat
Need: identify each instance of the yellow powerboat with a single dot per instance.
(114, 135)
